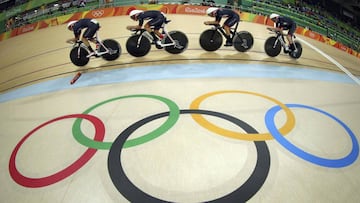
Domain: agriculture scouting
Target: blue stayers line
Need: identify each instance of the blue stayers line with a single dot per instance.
(176, 71)
(331, 163)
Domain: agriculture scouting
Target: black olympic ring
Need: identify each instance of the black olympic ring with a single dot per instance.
(134, 194)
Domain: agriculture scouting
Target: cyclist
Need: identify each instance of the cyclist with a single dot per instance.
(155, 21)
(218, 13)
(284, 23)
(91, 26)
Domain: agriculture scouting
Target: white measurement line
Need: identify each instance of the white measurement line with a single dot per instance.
(346, 71)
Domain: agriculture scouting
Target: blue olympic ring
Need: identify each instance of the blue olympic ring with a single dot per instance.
(331, 163)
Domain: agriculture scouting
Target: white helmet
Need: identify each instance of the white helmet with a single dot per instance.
(210, 10)
(133, 13)
(274, 15)
(70, 24)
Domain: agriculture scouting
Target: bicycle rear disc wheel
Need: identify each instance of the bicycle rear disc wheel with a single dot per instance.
(181, 42)
(78, 56)
(243, 41)
(211, 40)
(114, 49)
(296, 53)
(271, 48)
(138, 45)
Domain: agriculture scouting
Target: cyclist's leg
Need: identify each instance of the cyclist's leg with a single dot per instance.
(149, 29)
(89, 34)
(155, 24)
(157, 27)
(85, 40)
(227, 25)
(290, 37)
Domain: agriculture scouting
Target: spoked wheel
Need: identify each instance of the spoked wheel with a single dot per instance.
(211, 40)
(78, 56)
(272, 47)
(114, 49)
(138, 45)
(296, 53)
(181, 42)
(243, 41)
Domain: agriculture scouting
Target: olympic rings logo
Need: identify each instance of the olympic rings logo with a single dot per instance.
(131, 192)
(97, 13)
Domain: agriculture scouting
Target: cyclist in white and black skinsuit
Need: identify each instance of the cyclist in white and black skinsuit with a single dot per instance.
(285, 23)
(155, 20)
(218, 13)
(91, 26)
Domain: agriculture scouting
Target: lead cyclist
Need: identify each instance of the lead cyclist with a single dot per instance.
(91, 26)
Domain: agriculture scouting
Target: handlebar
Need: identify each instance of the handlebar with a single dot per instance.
(275, 31)
(215, 26)
(136, 31)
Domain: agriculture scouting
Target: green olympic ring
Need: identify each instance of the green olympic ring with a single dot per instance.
(172, 119)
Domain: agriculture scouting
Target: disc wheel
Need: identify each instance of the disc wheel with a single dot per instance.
(114, 48)
(296, 53)
(243, 41)
(181, 42)
(211, 40)
(272, 48)
(78, 56)
(138, 45)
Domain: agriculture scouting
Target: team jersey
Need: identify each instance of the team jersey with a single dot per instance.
(147, 15)
(83, 23)
(284, 22)
(222, 12)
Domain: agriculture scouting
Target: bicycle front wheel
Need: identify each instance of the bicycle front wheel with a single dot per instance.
(272, 47)
(211, 40)
(138, 45)
(78, 56)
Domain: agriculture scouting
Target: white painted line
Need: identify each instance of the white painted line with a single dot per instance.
(346, 71)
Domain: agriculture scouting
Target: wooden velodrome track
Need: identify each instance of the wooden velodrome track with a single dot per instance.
(35, 62)
(191, 165)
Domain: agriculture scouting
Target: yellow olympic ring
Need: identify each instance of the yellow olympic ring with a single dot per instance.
(288, 126)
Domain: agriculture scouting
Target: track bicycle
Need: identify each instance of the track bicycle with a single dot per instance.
(274, 44)
(212, 39)
(139, 43)
(108, 49)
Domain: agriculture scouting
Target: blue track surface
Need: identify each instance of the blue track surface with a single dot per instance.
(177, 71)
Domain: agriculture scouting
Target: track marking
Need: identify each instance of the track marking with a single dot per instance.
(341, 67)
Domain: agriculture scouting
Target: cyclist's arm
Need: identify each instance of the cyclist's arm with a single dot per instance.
(77, 34)
(275, 29)
(212, 22)
(133, 27)
(278, 29)
(72, 40)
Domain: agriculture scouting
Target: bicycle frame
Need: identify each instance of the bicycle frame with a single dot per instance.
(98, 41)
(145, 33)
(280, 38)
(97, 51)
(107, 50)
(232, 30)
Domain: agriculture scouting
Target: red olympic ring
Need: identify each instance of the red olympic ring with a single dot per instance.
(84, 158)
